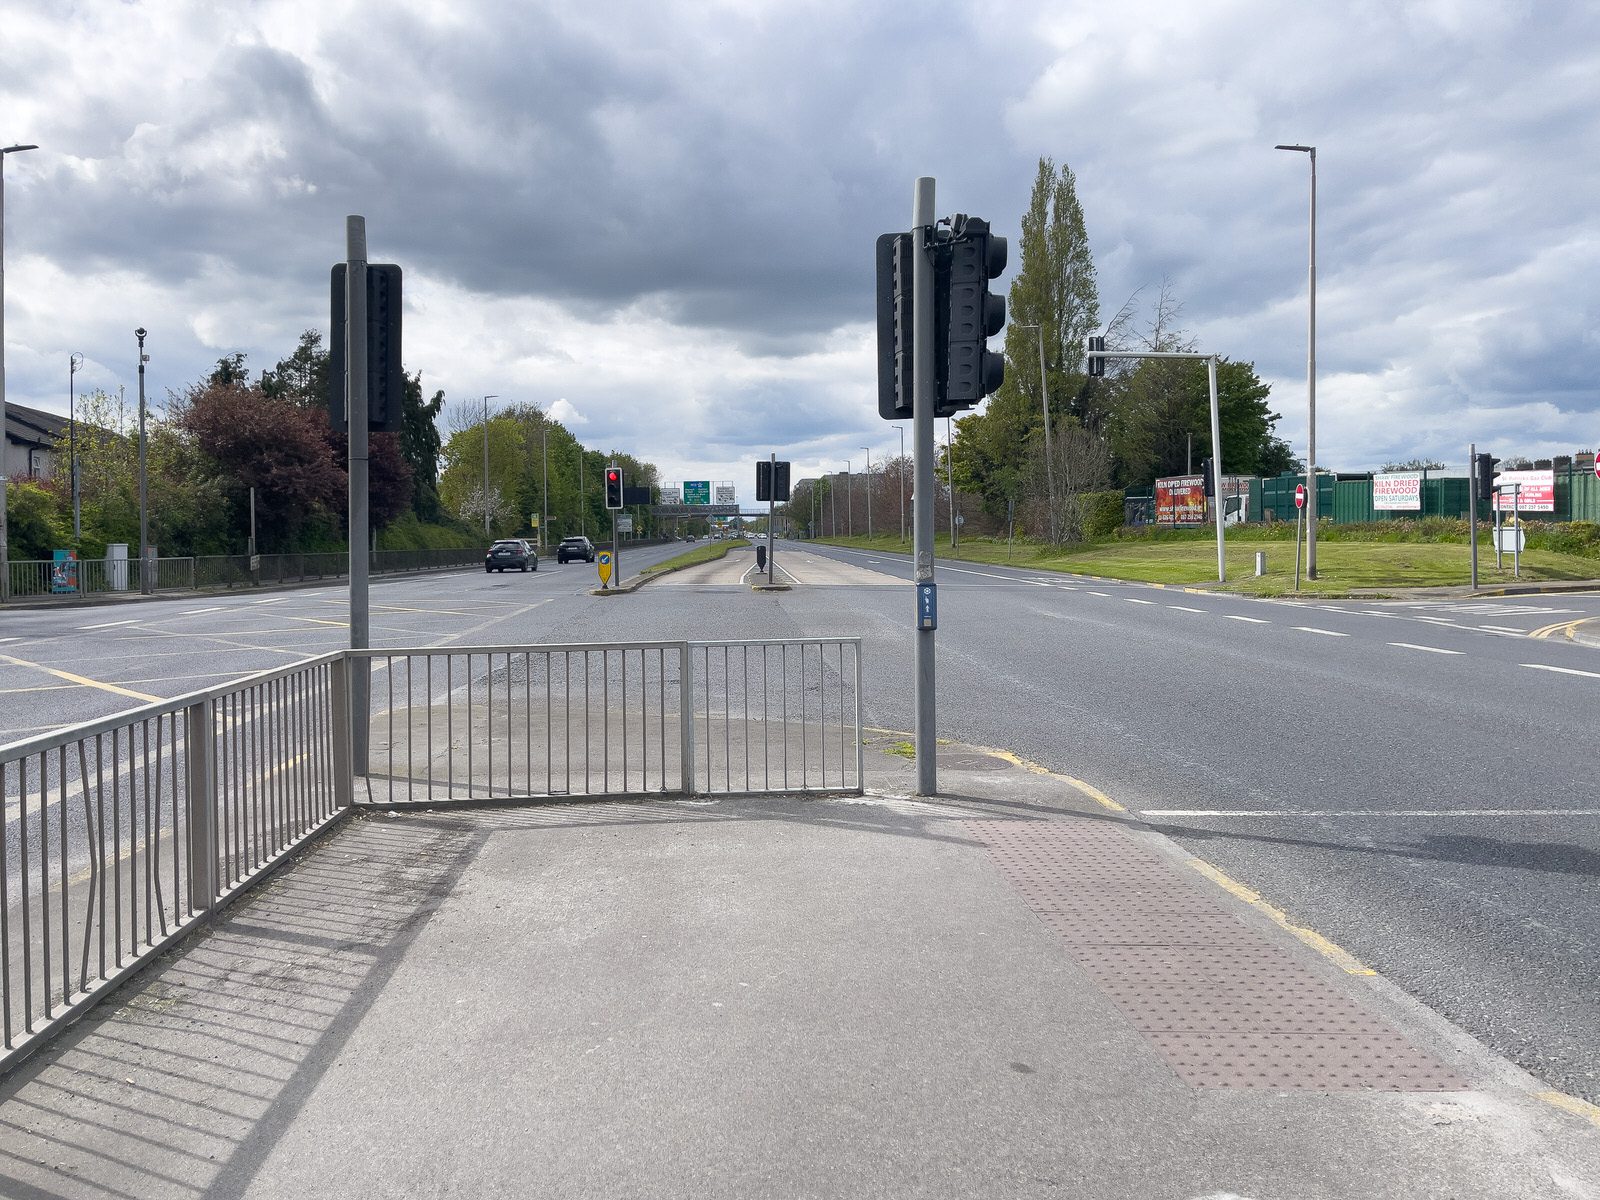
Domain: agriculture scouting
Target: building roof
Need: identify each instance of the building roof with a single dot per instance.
(31, 426)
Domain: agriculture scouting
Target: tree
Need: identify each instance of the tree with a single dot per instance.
(1054, 293)
(1413, 464)
(302, 378)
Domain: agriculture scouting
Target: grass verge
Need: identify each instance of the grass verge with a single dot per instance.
(1189, 559)
(710, 552)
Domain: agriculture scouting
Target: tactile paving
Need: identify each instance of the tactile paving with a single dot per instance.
(1222, 1004)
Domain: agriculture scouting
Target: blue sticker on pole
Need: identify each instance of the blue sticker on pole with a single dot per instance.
(927, 607)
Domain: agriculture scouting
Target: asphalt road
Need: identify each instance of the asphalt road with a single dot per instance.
(1410, 779)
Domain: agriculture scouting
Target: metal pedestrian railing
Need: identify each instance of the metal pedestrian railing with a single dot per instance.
(43, 579)
(119, 835)
(619, 719)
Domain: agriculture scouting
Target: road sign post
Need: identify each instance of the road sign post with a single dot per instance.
(923, 383)
(1299, 510)
(1472, 506)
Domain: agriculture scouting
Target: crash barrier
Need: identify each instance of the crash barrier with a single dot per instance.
(120, 834)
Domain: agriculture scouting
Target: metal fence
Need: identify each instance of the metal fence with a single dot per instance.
(43, 579)
(119, 834)
(618, 719)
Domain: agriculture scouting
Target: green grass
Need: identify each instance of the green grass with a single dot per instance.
(1188, 558)
(710, 552)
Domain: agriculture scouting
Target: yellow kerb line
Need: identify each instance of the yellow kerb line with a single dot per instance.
(1582, 1108)
(1329, 950)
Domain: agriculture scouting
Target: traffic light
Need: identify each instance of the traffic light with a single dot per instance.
(385, 377)
(613, 487)
(780, 481)
(1483, 468)
(764, 480)
(1208, 475)
(895, 326)
(1097, 365)
(772, 480)
(967, 315)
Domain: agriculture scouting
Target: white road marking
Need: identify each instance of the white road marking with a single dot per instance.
(1429, 649)
(110, 624)
(1501, 629)
(1370, 812)
(1132, 600)
(10, 639)
(1323, 632)
(1252, 620)
(1106, 595)
(274, 600)
(190, 612)
(1066, 587)
(1562, 670)
(1436, 620)
(1186, 608)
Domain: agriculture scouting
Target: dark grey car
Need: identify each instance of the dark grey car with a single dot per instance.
(511, 552)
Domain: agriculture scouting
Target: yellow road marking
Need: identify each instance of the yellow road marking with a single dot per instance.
(317, 621)
(1589, 1112)
(83, 680)
(1338, 954)
(1566, 628)
(43, 687)
(1088, 789)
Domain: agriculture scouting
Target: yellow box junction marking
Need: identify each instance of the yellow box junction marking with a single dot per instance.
(82, 680)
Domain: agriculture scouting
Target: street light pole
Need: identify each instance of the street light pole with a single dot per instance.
(849, 501)
(544, 519)
(486, 399)
(144, 512)
(5, 476)
(73, 363)
(868, 449)
(1311, 374)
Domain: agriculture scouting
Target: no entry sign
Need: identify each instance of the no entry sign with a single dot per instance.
(1299, 495)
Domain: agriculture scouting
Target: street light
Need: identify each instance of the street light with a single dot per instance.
(1044, 403)
(901, 430)
(849, 501)
(5, 476)
(144, 511)
(1311, 375)
(73, 363)
(868, 449)
(486, 399)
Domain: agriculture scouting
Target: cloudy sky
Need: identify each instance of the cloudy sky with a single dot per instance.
(656, 217)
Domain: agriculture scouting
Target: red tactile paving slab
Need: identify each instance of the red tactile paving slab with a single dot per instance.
(1222, 1004)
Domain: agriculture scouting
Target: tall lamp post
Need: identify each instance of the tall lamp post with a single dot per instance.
(544, 478)
(1311, 375)
(901, 430)
(144, 511)
(73, 364)
(868, 449)
(5, 477)
(1044, 403)
(849, 501)
(486, 399)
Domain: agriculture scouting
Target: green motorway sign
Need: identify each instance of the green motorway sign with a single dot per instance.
(697, 491)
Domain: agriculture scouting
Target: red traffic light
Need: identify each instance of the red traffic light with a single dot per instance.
(611, 476)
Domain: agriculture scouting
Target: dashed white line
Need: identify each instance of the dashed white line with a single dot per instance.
(1186, 608)
(1562, 670)
(1133, 600)
(1323, 632)
(1252, 620)
(111, 624)
(1107, 595)
(1429, 649)
(12, 639)
(191, 612)
(274, 600)
(1501, 629)
(1435, 620)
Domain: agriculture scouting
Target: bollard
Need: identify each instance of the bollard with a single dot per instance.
(1261, 563)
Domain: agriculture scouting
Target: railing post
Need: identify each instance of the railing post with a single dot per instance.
(200, 739)
(339, 721)
(685, 719)
(861, 746)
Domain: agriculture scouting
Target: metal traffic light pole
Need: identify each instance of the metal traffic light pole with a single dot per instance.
(356, 415)
(924, 493)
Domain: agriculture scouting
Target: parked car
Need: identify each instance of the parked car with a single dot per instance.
(575, 549)
(511, 552)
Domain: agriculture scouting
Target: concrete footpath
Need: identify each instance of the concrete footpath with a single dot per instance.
(1012, 991)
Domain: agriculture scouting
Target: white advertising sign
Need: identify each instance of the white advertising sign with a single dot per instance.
(1400, 492)
(1537, 493)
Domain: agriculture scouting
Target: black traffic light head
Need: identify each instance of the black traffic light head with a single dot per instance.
(385, 377)
(613, 486)
(894, 326)
(969, 315)
(764, 479)
(780, 481)
(1483, 470)
(1208, 473)
(1097, 364)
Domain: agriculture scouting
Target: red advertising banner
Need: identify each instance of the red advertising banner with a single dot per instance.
(1536, 494)
(1181, 500)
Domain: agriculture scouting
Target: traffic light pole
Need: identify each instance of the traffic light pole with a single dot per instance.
(925, 493)
(772, 460)
(356, 417)
(1472, 508)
